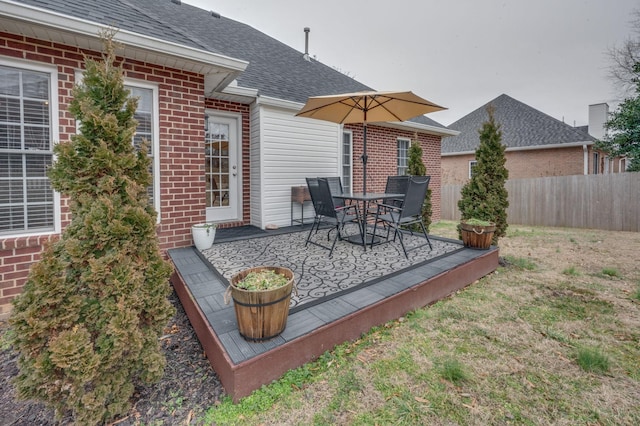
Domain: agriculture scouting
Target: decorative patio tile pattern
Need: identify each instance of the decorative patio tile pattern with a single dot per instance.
(318, 276)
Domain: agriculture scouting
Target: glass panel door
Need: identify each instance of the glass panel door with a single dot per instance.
(221, 170)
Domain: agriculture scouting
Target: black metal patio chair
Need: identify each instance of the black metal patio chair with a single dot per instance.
(405, 215)
(396, 185)
(335, 184)
(328, 212)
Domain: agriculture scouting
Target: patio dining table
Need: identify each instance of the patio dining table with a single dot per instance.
(364, 214)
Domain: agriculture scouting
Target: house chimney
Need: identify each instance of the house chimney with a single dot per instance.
(598, 115)
(306, 43)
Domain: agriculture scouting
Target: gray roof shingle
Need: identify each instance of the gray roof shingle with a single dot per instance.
(275, 69)
(521, 126)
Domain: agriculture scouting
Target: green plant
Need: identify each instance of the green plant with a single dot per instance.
(88, 321)
(521, 263)
(452, 370)
(416, 167)
(485, 196)
(572, 271)
(592, 360)
(611, 272)
(267, 279)
(477, 222)
(208, 226)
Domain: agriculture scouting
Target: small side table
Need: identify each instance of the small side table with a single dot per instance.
(299, 195)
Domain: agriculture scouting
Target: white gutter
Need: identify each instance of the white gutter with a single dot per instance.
(526, 148)
(585, 159)
(208, 62)
(410, 125)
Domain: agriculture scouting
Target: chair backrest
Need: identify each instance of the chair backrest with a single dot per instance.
(414, 198)
(314, 191)
(325, 200)
(396, 185)
(335, 184)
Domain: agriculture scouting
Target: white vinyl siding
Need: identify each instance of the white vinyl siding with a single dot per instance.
(28, 127)
(291, 149)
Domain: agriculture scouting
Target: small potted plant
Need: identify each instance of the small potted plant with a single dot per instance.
(261, 297)
(203, 235)
(477, 233)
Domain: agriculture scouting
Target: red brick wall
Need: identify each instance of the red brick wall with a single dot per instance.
(523, 164)
(383, 161)
(181, 108)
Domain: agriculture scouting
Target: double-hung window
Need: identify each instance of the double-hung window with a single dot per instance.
(147, 117)
(403, 155)
(472, 166)
(148, 128)
(28, 127)
(347, 161)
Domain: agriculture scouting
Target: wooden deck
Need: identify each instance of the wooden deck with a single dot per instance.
(243, 366)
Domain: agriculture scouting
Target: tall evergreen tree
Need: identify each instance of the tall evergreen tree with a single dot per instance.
(623, 138)
(485, 196)
(416, 167)
(88, 321)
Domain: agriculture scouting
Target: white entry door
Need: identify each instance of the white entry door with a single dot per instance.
(222, 169)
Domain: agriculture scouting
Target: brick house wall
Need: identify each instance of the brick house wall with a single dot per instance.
(523, 164)
(382, 153)
(181, 104)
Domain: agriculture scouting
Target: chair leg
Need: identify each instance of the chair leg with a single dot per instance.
(424, 230)
(399, 233)
(315, 222)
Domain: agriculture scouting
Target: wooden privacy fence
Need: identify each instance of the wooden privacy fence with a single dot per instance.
(609, 201)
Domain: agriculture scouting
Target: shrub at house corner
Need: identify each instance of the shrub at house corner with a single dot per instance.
(88, 321)
(416, 167)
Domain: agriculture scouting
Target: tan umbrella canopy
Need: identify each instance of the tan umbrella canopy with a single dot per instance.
(367, 107)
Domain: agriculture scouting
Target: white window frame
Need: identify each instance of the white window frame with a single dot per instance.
(349, 134)
(155, 143)
(472, 164)
(54, 135)
(402, 169)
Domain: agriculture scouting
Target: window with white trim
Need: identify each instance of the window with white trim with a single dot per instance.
(596, 163)
(147, 117)
(472, 166)
(148, 128)
(347, 161)
(28, 127)
(403, 155)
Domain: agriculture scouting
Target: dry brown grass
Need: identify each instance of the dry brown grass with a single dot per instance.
(515, 333)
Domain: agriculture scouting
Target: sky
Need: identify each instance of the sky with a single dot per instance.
(548, 54)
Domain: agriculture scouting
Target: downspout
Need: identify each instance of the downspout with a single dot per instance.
(585, 151)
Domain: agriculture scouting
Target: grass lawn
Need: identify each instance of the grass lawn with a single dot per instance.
(551, 338)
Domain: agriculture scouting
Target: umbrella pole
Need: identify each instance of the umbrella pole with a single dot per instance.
(364, 159)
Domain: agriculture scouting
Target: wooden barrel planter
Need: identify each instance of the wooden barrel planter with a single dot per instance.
(261, 314)
(477, 236)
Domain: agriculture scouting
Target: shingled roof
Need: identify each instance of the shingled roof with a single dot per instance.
(522, 126)
(275, 69)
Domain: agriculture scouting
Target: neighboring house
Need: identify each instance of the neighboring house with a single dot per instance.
(537, 145)
(217, 102)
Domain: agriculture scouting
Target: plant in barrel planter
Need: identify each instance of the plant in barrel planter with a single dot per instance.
(477, 233)
(261, 298)
(203, 235)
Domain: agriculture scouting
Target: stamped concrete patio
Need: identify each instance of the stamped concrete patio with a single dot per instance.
(327, 321)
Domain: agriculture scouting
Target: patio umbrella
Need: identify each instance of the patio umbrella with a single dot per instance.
(367, 107)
